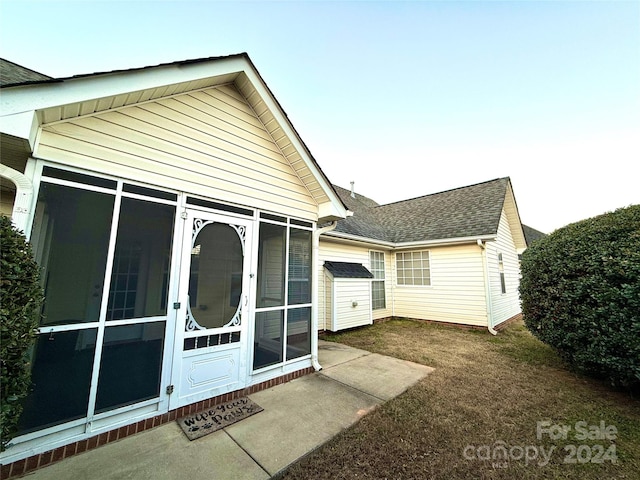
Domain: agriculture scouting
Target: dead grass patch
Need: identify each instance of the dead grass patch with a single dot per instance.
(486, 391)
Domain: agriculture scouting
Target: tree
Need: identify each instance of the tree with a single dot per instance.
(580, 293)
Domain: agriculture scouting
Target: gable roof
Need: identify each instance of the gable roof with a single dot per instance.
(467, 212)
(531, 234)
(347, 270)
(14, 74)
(34, 102)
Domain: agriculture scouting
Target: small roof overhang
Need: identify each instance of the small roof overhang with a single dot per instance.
(347, 270)
(25, 107)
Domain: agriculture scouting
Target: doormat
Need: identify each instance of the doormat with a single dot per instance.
(208, 421)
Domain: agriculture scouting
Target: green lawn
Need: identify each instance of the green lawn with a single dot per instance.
(494, 408)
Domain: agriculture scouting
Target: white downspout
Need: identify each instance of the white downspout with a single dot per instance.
(314, 292)
(487, 288)
(24, 197)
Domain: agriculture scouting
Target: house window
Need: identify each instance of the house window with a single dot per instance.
(503, 286)
(413, 268)
(377, 284)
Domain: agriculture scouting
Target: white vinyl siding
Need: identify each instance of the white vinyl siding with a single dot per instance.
(503, 305)
(208, 143)
(457, 294)
(351, 303)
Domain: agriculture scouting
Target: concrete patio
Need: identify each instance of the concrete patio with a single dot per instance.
(298, 417)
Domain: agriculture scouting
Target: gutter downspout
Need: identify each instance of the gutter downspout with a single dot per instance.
(24, 196)
(314, 292)
(487, 287)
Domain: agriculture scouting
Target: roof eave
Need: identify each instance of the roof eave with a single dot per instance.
(32, 103)
(441, 242)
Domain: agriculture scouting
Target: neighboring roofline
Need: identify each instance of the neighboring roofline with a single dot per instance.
(13, 68)
(443, 242)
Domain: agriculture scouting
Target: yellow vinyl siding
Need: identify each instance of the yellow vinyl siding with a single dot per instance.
(504, 305)
(325, 305)
(207, 143)
(456, 293)
(284, 142)
(338, 252)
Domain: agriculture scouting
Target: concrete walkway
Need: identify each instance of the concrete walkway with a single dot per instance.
(298, 417)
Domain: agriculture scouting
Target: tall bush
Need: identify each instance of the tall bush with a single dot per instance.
(20, 305)
(580, 293)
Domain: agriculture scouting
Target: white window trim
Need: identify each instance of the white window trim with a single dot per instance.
(397, 276)
(382, 280)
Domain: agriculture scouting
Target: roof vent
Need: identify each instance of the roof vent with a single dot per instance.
(353, 194)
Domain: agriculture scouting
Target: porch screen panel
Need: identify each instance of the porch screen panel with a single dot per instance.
(271, 265)
(298, 332)
(130, 365)
(299, 267)
(283, 304)
(139, 278)
(268, 340)
(70, 241)
(60, 378)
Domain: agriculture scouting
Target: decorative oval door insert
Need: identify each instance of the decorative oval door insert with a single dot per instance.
(215, 276)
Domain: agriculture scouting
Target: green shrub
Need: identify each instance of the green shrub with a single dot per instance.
(580, 293)
(20, 305)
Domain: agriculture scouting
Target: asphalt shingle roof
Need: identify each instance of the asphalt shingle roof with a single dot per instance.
(531, 234)
(462, 212)
(347, 270)
(12, 73)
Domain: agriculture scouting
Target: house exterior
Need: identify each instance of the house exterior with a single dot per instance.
(173, 210)
(448, 257)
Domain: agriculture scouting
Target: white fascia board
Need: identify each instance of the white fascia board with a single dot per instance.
(329, 211)
(353, 239)
(21, 125)
(445, 242)
(72, 90)
(337, 209)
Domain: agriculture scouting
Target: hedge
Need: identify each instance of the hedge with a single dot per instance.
(580, 293)
(20, 305)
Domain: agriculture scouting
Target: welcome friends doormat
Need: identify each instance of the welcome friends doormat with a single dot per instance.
(202, 423)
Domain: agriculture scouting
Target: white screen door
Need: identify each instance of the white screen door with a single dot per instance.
(211, 329)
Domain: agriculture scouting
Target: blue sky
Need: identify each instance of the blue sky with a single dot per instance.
(404, 98)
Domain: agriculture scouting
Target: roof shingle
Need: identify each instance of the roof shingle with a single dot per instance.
(531, 234)
(468, 211)
(12, 74)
